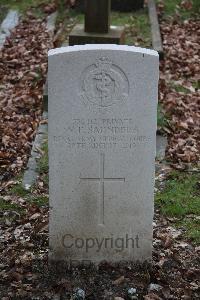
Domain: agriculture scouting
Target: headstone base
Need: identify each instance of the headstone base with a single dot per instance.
(79, 37)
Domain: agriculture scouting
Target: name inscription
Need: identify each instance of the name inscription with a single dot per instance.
(101, 134)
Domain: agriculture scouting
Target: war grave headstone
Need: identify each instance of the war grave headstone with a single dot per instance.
(97, 29)
(102, 144)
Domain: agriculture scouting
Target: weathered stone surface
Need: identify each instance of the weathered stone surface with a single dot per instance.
(51, 22)
(155, 28)
(161, 145)
(31, 173)
(102, 142)
(11, 20)
(79, 37)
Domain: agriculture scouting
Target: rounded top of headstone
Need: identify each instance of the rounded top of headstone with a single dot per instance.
(111, 47)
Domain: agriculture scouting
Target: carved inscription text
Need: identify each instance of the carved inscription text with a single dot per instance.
(101, 134)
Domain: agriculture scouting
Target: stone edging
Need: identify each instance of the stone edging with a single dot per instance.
(30, 175)
(155, 29)
(10, 22)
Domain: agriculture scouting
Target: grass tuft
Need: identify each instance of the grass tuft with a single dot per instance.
(162, 120)
(6, 206)
(23, 5)
(9, 211)
(181, 199)
(43, 164)
(19, 190)
(38, 200)
(28, 196)
(171, 7)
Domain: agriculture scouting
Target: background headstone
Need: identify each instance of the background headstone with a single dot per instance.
(117, 5)
(97, 29)
(102, 140)
(127, 5)
(97, 16)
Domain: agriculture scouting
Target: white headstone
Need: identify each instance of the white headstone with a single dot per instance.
(102, 140)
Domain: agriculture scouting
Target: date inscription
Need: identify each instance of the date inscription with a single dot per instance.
(101, 134)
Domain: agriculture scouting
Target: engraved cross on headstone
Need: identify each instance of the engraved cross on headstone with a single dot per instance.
(101, 179)
(97, 16)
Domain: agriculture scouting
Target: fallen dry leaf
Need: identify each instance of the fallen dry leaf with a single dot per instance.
(23, 66)
(181, 100)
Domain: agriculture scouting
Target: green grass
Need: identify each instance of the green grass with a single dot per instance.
(196, 85)
(180, 89)
(162, 120)
(23, 5)
(181, 199)
(38, 200)
(192, 229)
(19, 190)
(31, 196)
(173, 6)
(79, 17)
(8, 207)
(45, 178)
(3, 11)
(137, 28)
(27, 195)
(43, 165)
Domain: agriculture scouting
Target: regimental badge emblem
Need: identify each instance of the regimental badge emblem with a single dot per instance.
(104, 84)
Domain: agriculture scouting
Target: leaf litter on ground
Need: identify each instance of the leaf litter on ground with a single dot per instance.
(23, 66)
(179, 90)
(24, 269)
